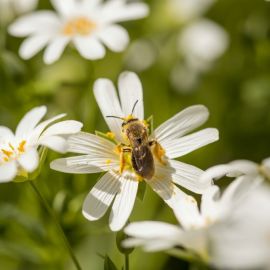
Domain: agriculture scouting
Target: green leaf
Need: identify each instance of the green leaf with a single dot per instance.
(109, 264)
(141, 190)
(120, 237)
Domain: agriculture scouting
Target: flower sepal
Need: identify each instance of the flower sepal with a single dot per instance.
(120, 237)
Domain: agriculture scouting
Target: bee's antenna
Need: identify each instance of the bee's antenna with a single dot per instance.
(112, 116)
(134, 106)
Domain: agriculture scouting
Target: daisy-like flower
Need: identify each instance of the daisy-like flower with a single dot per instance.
(19, 151)
(123, 159)
(88, 24)
(223, 233)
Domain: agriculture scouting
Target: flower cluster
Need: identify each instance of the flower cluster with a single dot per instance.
(19, 152)
(227, 229)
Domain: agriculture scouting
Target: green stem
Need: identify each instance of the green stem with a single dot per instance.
(126, 262)
(57, 224)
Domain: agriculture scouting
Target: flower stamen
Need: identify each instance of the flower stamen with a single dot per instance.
(21, 146)
(82, 26)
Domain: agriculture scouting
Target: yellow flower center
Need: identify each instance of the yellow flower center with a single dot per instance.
(82, 26)
(12, 152)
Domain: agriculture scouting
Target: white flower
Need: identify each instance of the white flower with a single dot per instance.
(18, 152)
(239, 168)
(202, 42)
(11, 8)
(223, 222)
(119, 185)
(185, 10)
(88, 24)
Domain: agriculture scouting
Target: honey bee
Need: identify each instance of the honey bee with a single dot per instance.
(142, 158)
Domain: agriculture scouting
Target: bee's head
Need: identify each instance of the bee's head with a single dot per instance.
(127, 120)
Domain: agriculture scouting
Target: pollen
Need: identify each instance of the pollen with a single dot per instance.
(108, 161)
(110, 135)
(21, 146)
(7, 153)
(159, 153)
(82, 26)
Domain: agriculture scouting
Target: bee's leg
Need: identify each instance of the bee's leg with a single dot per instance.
(158, 151)
(124, 149)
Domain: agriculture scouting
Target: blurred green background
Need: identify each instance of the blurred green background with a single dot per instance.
(235, 87)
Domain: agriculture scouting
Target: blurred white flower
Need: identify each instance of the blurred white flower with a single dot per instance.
(118, 186)
(201, 43)
(88, 24)
(140, 55)
(10, 8)
(184, 78)
(245, 243)
(18, 152)
(239, 168)
(185, 10)
(224, 233)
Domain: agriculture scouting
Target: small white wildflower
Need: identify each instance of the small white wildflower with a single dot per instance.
(88, 24)
(18, 152)
(229, 232)
(118, 186)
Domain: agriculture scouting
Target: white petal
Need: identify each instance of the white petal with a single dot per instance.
(184, 206)
(232, 169)
(6, 134)
(187, 176)
(37, 22)
(151, 229)
(115, 37)
(182, 123)
(124, 201)
(130, 91)
(243, 166)
(29, 160)
(63, 128)
(86, 143)
(108, 103)
(239, 189)
(40, 127)
(101, 196)
(55, 143)
(152, 235)
(209, 202)
(33, 45)
(179, 147)
(64, 7)
(63, 165)
(118, 11)
(8, 171)
(30, 120)
(89, 47)
(55, 49)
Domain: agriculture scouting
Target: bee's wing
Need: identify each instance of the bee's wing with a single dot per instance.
(139, 156)
(143, 162)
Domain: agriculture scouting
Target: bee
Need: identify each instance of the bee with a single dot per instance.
(139, 145)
